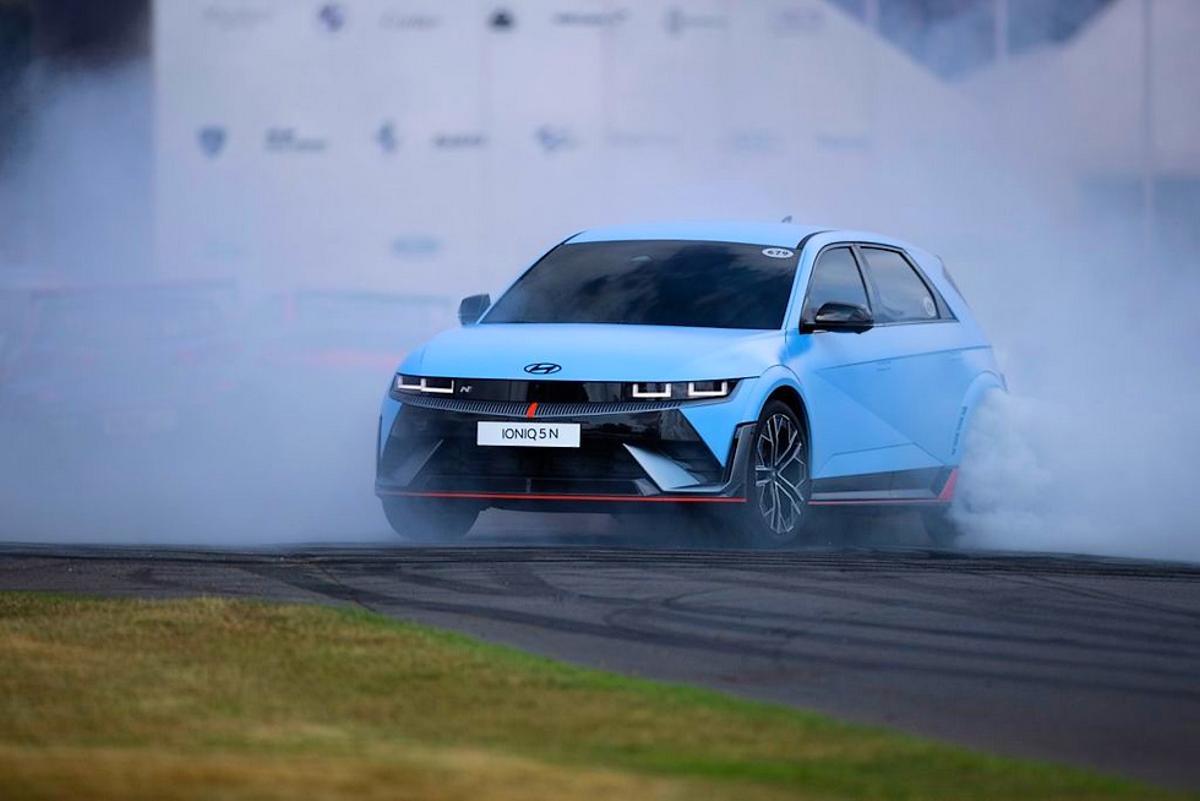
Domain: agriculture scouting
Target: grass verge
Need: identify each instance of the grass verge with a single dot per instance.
(127, 699)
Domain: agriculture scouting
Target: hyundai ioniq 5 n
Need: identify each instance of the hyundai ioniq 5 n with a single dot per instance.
(754, 374)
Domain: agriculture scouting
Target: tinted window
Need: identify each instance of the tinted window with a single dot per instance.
(903, 296)
(835, 279)
(703, 284)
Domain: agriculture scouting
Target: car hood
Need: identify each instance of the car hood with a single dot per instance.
(597, 352)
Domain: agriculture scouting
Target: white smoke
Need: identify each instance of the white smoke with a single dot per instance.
(1093, 450)
(270, 454)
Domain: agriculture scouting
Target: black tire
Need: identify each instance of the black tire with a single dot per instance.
(429, 521)
(776, 513)
(941, 528)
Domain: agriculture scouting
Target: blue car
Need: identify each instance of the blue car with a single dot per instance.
(749, 374)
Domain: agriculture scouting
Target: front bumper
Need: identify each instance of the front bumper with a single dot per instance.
(629, 453)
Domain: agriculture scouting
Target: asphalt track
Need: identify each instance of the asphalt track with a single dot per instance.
(1079, 660)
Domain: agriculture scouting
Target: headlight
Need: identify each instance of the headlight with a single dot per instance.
(597, 391)
(412, 384)
(682, 390)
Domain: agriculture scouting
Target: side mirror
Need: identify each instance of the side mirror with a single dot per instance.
(840, 317)
(472, 308)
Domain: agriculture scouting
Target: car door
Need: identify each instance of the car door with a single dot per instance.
(920, 377)
(838, 371)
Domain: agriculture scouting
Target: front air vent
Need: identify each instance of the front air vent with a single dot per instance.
(542, 410)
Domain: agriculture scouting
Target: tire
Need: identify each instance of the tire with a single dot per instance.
(940, 528)
(776, 513)
(429, 521)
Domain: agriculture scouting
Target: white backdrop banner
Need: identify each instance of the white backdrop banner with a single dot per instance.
(443, 145)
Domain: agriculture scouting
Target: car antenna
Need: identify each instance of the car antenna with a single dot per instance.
(787, 219)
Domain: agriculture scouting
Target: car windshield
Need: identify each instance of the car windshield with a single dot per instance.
(654, 282)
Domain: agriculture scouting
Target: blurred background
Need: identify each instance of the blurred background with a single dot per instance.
(224, 222)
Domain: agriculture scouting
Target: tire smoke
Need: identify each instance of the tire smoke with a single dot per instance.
(1093, 314)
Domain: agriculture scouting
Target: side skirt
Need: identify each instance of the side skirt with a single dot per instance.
(899, 488)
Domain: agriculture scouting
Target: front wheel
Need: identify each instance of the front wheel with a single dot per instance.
(777, 480)
(429, 521)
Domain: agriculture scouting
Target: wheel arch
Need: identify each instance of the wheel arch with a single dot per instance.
(780, 383)
(978, 390)
(791, 397)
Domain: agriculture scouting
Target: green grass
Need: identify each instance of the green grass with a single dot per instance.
(126, 699)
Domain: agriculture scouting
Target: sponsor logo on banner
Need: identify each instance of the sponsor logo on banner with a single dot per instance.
(288, 140)
(798, 20)
(459, 141)
(407, 21)
(414, 246)
(386, 137)
(590, 19)
(754, 141)
(638, 139)
(678, 21)
(842, 142)
(332, 16)
(502, 20)
(554, 139)
(212, 140)
(235, 16)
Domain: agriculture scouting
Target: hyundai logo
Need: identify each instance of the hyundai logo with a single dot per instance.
(553, 139)
(543, 368)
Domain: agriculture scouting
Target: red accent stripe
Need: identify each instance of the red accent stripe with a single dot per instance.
(876, 502)
(532, 410)
(524, 496)
(947, 493)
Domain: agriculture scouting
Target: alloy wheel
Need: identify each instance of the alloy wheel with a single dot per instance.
(779, 474)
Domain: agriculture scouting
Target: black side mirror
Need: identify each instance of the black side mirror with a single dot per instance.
(472, 308)
(840, 317)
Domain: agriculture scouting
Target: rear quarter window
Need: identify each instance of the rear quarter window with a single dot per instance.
(903, 295)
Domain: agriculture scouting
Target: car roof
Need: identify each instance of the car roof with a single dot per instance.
(752, 233)
(787, 235)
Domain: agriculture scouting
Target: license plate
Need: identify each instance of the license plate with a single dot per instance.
(528, 435)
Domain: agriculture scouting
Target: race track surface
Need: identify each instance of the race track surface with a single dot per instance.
(1089, 661)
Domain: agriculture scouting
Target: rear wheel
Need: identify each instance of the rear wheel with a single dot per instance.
(777, 481)
(429, 521)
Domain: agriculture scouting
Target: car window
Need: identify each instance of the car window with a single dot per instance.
(903, 296)
(835, 279)
(654, 282)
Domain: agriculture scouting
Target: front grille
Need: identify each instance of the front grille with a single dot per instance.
(604, 458)
(602, 467)
(434, 449)
(543, 410)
